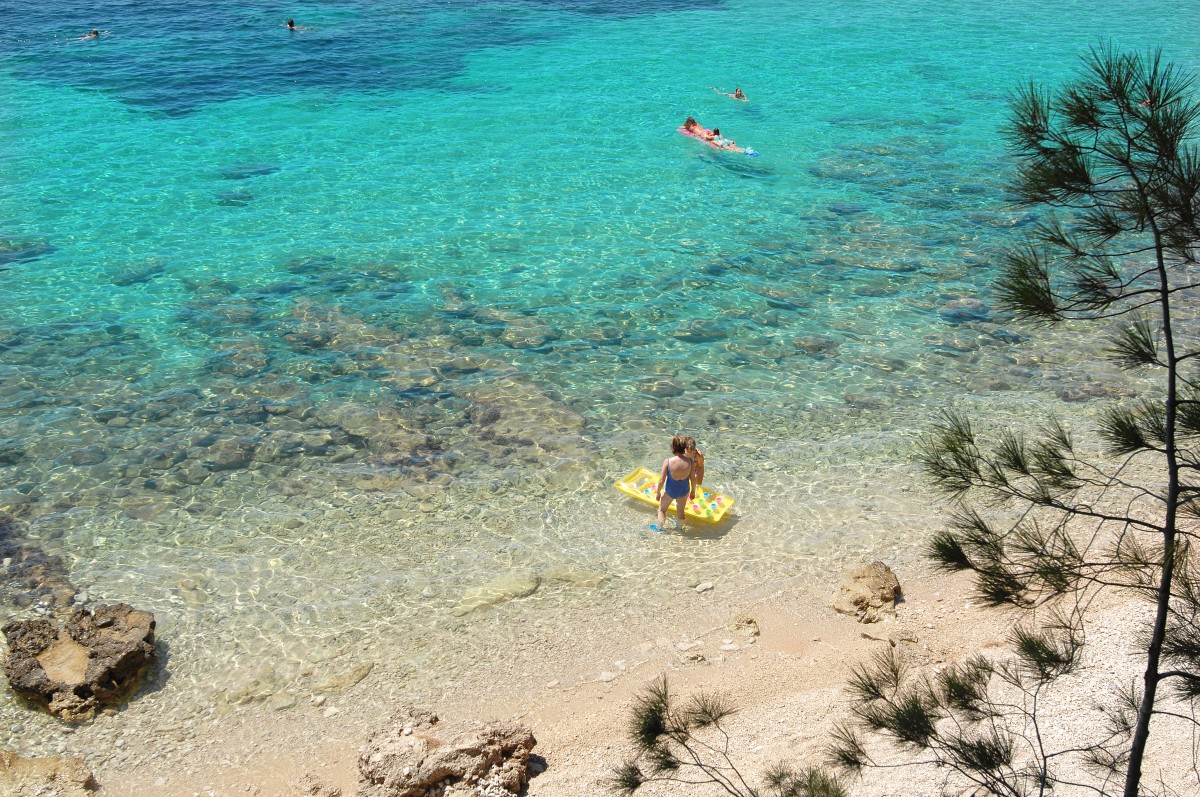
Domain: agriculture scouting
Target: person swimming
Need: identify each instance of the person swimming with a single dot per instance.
(94, 33)
(736, 95)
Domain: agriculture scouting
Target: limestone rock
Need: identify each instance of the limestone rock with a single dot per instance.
(343, 681)
(61, 777)
(509, 586)
(574, 577)
(86, 661)
(417, 756)
(868, 593)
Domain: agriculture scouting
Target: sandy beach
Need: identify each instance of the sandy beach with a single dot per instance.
(787, 681)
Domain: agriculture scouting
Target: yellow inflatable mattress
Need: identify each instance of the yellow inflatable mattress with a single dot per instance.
(709, 505)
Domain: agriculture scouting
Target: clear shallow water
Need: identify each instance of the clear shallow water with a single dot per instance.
(303, 333)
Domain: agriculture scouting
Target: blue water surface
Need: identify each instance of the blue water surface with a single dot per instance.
(367, 312)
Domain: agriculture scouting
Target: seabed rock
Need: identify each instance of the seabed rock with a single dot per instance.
(416, 756)
(49, 777)
(88, 660)
(868, 592)
(503, 588)
(30, 575)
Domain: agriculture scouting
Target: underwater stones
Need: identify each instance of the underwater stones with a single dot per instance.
(84, 455)
(310, 264)
(458, 366)
(586, 579)
(483, 414)
(242, 361)
(226, 314)
(281, 701)
(13, 251)
(284, 444)
(528, 334)
(700, 330)
(660, 387)
(88, 660)
(250, 686)
(818, 346)
(52, 776)
(210, 288)
(604, 336)
(963, 311)
(136, 276)
(1087, 391)
(886, 364)
(1007, 336)
(234, 199)
(246, 171)
(11, 452)
(782, 300)
(231, 453)
(527, 413)
(341, 681)
(863, 401)
(416, 755)
(191, 472)
(381, 429)
(30, 575)
(503, 588)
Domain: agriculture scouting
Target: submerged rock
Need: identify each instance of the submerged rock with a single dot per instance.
(244, 171)
(53, 776)
(14, 251)
(701, 330)
(30, 575)
(510, 586)
(963, 311)
(417, 756)
(663, 388)
(86, 661)
(819, 346)
(136, 276)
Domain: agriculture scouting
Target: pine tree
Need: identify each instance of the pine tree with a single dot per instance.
(1112, 157)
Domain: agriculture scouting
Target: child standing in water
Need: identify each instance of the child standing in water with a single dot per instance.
(675, 481)
(697, 458)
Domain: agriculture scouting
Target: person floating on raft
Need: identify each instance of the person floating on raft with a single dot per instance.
(712, 137)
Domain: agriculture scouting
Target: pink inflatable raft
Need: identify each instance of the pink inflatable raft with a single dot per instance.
(704, 135)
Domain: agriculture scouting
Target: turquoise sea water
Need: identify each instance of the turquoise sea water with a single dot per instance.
(354, 326)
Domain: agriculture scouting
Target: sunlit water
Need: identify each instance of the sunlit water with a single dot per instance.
(309, 337)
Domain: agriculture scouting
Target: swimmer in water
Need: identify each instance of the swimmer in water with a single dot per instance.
(94, 33)
(736, 95)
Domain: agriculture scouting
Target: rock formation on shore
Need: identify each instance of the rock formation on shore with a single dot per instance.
(416, 756)
(85, 661)
(868, 592)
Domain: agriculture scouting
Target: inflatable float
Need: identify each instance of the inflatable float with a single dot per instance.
(708, 505)
(701, 138)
